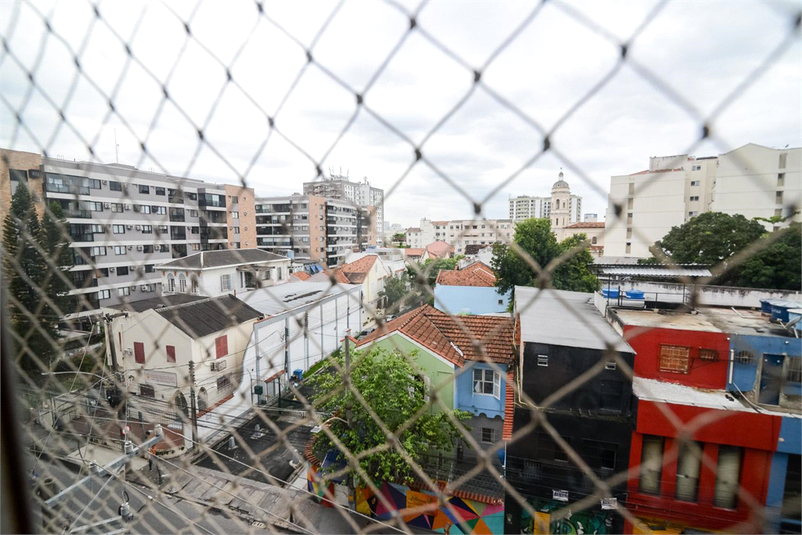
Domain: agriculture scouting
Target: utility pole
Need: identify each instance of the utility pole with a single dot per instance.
(194, 412)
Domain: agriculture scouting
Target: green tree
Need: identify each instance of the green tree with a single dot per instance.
(24, 270)
(775, 266)
(709, 238)
(395, 393)
(56, 241)
(394, 291)
(399, 238)
(535, 237)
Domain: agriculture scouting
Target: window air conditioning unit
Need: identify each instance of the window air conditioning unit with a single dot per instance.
(139, 247)
(105, 181)
(112, 269)
(106, 205)
(130, 247)
(132, 268)
(127, 206)
(133, 288)
(144, 287)
(139, 227)
(127, 352)
(218, 366)
(129, 227)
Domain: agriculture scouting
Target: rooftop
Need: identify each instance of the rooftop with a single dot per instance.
(474, 248)
(476, 274)
(275, 300)
(216, 259)
(562, 318)
(357, 271)
(587, 225)
(652, 270)
(208, 316)
(439, 249)
(156, 302)
(727, 320)
(455, 338)
(414, 251)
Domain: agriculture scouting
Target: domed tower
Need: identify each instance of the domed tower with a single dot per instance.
(560, 203)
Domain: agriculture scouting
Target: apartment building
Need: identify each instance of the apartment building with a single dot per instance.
(753, 180)
(123, 221)
(337, 186)
(568, 207)
(311, 227)
(460, 233)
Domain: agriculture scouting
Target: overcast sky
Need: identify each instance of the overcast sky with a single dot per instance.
(701, 50)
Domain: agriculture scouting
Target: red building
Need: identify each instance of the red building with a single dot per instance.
(716, 477)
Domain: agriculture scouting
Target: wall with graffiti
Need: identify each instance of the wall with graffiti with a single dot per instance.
(463, 515)
(586, 521)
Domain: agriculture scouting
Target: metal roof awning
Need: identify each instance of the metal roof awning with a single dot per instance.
(655, 270)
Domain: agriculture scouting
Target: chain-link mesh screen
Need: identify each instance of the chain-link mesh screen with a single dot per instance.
(213, 401)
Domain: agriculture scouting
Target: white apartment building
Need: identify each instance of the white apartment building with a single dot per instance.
(460, 233)
(753, 180)
(123, 221)
(569, 206)
(360, 193)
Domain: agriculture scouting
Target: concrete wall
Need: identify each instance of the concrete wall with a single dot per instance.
(470, 299)
(23, 161)
(710, 295)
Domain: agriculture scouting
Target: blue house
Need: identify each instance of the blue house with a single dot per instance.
(766, 370)
(470, 290)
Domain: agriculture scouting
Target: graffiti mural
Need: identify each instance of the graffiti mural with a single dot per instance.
(587, 521)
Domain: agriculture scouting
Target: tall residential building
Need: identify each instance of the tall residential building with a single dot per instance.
(752, 180)
(460, 233)
(359, 193)
(567, 206)
(310, 227)
(123, 221)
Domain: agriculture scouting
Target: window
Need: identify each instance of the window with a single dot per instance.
(783, 158)
(139, 352)
(147, 391)
(98, 251)
(121, 271)
(694, 182)
(192, 196)
(160, 191)
(631, 189)
(708, 354)
(161, 210)
(610, 365)
(118, 229)
(182, 284)
(486, 382)
(694, 198)
(170, 353)
(193, 213)
(610, 395)
(119, 249)
(689, 463)
(170, 283)
(629, 233)
(144, 189)
(600, 454)
(629, 219)
(780, 179)
(234, 215)
(696, 168)
(225, 283)
(234, 199)
(104, 294)
(594, 240)
(94, 206)
(674, 359)
(779, 197)
(651, 464)
(744, 357)
(630, 203)
(147, 229)
(149, 268)
(223, 382)
(549, 450)
(122, 292)
(147, 248)
(221, 346)
(488, 435)
(791, 494)
(728, 476)
(115, 186)
(236, 230)
(793, 373)
(116, 207)
(543, 360)
(693, 213)
(142, 208)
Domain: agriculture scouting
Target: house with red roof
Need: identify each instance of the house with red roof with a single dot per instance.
(440, 249)
(466, 359)
(470, 290)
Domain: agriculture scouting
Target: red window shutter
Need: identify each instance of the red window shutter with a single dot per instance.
(139, 352)
(170, 353)
(221, 346)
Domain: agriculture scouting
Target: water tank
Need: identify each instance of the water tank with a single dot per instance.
(634, 294)
(299, 373)
(610, 294)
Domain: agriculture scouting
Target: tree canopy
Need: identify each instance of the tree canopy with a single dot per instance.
(776, 266)
(536, 238)
(395, 392)
(394, 290)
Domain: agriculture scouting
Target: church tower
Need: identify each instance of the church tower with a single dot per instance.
(560, 203)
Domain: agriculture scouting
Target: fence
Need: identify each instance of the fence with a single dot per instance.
(170, 385)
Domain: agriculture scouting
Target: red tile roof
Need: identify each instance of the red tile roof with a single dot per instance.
(414, 251)
(476, 274)
(440, 249)
(455, 338)
(301, 275)
(357, 271)
(586, 225)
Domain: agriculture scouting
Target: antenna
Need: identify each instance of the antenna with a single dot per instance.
(116, 148)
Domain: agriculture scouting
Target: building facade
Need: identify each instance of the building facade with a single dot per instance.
(562, 207)
(360, 193)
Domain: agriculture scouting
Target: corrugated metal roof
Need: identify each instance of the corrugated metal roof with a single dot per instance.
(208, 316)
(226, 257)
(275, 300)
(547, 320)
(645, 270)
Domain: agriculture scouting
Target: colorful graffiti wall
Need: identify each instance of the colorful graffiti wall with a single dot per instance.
(463, 515)
(587, 521)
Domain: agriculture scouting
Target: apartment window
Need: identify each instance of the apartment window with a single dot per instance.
(651, 464)
(488, 435)
(631, 189)
(116, 207)
(549, 450)
(118, 229)
(628, 248)
(119, 249)
(234, 215)
(144, 189)
(696, 168)
(689, 463)
(149, 268)
(163, 228)
(170, 283)
(234, 199)
(693, 213)
(160, 191)
(600, 454)
(122, 292)
(115, 186)
(147, 229)
(694, 198)
(98, 251)
(487, 382)
(194, 230)
(783, 158)
(122, 271)
(674, 359)
(708, 354)
(163, 248)
(161, 210)
(139, 352)
(94, 206)
(630, 203)
(610, 395)
(694, 182)
(104, 294)
(147, 248)
(728, 476)
(221, 346)
(147, 391)
(225, 283)
(629, 218)
(236, 230)
(193, 213)
(192, 196)
(629, 233)
(779, 197)
(142, 208)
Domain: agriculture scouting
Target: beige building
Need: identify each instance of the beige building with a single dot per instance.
(562, 207)
(593, 230)
(20, 167)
